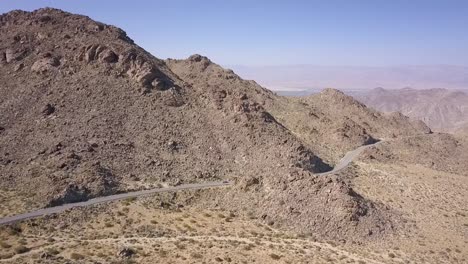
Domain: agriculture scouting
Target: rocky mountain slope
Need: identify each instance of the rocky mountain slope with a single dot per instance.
(441, 109)
(333, 123)
(86, 112)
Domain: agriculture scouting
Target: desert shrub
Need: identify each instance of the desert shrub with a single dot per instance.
(21, 249)
(179, 245)
(4, 245)
(189, 227)
(76, 256)
(130, 200)
(162, 253)
(53, 251)
(6, 256)
(14, 230)
(274, 256)
(248, 247)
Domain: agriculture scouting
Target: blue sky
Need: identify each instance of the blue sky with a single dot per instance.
(332, 32)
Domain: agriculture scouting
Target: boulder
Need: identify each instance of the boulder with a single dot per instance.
(126, 253)
(71, 194)
(9, 55)
(48, 110)
(18, 67)
(108, 56)
(45, 64)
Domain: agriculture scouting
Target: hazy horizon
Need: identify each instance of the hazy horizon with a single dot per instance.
(304, 77)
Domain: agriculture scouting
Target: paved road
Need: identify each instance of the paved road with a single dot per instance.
(348, 158)
(344, 162)
(61, 208)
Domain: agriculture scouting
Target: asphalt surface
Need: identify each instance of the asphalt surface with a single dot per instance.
(344, 162)
(348, 158)
(121, 196)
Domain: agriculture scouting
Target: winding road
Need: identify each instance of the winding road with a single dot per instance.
(348, 158)
(344, 162)
(116, 197)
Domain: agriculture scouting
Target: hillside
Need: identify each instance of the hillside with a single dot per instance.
(441, 109)
(333, 123)
(89, 113)
(86, 113)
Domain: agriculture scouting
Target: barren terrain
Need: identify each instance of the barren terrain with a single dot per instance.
(442, 109)
(87, 113)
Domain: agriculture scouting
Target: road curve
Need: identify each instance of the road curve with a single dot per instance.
(348, 158)
(344, 162)
(61, 208)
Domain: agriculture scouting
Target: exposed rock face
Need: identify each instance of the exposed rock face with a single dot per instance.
(97, 52)
(118, 107)
(71, 194)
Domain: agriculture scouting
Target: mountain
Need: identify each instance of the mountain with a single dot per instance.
(333, 123)
(442, 109)
(87, 113)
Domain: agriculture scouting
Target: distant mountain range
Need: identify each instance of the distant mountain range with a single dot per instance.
(442, 109)
(300, 77)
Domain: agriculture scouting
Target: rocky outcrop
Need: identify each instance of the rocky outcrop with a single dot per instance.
(97, 52)
(45, 64)
(71, 194)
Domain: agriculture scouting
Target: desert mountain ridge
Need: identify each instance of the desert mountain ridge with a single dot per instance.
(87, 113)
(442, 109)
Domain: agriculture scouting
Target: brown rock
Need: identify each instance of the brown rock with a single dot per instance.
(9, 55)
(109, 56)
(18, 67)
(48, 110)
(45, 64)
(126, 253)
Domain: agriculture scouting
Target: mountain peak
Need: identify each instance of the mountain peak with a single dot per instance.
(198, 58)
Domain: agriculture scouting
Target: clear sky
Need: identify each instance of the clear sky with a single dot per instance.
(255, 32)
